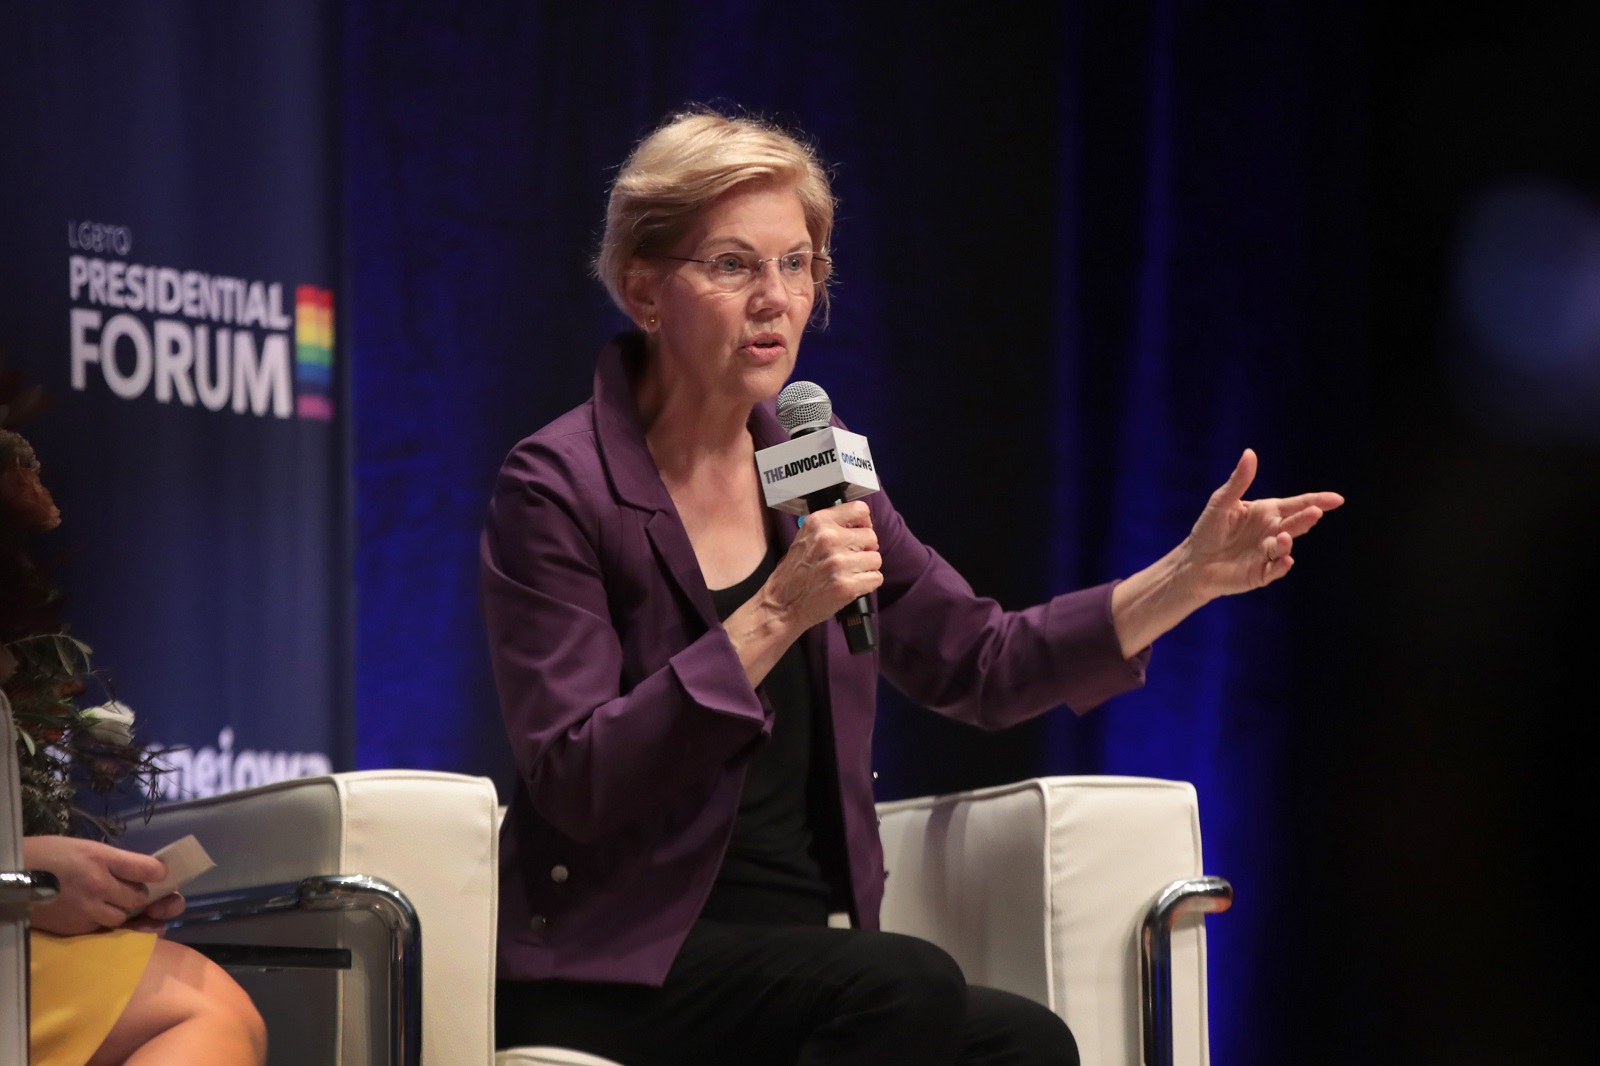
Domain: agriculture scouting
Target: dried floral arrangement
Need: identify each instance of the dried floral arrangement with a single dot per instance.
(67, 752)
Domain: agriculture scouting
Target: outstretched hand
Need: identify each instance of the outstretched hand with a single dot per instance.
(1238, 545)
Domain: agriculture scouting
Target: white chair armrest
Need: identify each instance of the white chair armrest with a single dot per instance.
(1040, 888)
(433, 836)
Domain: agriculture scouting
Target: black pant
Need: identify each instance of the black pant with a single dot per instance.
(748, 995)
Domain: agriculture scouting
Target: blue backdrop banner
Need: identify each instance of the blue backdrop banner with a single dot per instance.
(168, 277)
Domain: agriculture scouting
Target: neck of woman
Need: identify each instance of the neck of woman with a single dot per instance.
(704, 453)
(691, 432)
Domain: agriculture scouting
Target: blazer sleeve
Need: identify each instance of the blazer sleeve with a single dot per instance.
(962, 655)
(594, 754)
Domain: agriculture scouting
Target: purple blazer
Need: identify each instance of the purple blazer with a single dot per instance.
(631, 718)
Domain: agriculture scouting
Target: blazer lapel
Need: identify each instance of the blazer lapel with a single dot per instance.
(633, 473)
(672, 547)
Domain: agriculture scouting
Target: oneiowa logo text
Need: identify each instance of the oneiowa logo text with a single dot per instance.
(211, 771)
(800, 466)
(855, 460)
(208, 340)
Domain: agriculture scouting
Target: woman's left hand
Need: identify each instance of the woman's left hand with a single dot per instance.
(1238, 545)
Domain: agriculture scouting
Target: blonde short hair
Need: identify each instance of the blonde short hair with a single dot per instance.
(686, 163)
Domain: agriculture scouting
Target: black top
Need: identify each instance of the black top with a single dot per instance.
(770, 875)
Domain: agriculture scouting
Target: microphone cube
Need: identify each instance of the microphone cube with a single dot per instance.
(825, 459)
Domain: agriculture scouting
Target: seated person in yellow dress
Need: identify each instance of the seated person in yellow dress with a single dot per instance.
(104, 988)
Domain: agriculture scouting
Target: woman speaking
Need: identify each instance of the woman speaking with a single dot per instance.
(692, 734)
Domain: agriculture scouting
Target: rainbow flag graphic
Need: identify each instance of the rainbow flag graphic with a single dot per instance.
(313, 353)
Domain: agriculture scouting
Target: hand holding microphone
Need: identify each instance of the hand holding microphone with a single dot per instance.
(830, 569)
(819, 467)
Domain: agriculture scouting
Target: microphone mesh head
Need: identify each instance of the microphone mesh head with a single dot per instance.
(803, 407)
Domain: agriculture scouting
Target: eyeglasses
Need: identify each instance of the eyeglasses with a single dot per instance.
(735, 271)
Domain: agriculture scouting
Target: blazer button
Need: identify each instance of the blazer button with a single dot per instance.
(559, 874)
(537, 923)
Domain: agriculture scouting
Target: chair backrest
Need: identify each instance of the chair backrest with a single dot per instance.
(13, 918)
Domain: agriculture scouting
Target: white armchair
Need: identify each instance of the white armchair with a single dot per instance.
(1081, 893)
(1048, 888)
(344, 879)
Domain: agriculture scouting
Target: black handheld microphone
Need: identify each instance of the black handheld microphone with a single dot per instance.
(836, 458)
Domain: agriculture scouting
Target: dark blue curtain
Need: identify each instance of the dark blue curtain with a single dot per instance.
(1112, 244)
(1115, 243)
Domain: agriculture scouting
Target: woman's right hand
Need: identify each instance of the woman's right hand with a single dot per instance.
(833, 560)
(100, 885)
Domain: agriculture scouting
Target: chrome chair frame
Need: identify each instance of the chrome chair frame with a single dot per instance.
(339, 892)
(27, 886)
(1195, 895)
